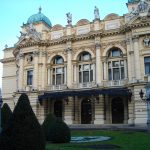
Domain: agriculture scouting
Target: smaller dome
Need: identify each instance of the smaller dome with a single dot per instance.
(133, 1)
(39, 17)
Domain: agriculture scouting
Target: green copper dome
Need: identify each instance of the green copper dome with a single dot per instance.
(39, 17)
(133, 1)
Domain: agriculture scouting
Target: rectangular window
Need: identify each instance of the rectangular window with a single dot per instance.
(109, 74)
(86, 76)
(29, 77)
(80, 77)
(116, 75)
(58, 79)
(122, 73)
(91, 75)
(147, 65)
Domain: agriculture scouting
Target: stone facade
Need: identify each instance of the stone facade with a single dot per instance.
(83, 73)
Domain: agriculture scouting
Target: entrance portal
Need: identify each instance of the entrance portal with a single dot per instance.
(58, 109)
(86, 112)
(117, 107)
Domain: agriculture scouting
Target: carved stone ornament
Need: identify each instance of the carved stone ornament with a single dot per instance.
(36, 53)
(29, 58)
(30, 32)
(97, 45)
(21, 56)
(146, 41)
(141, 10)
(68, 49)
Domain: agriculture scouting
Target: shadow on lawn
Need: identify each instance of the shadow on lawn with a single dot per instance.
(102, 147)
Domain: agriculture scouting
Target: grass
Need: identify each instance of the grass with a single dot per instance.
(126, 140)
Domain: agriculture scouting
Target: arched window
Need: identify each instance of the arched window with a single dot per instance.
(116, 64)
(85, 68)
(58, 71)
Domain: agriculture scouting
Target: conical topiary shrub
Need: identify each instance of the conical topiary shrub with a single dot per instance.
(24, 131)
(59, 132)
(6, 114)
(47, 124)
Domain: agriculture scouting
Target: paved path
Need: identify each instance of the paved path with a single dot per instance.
(140, 127)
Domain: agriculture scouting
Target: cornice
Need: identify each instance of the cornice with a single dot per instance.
(90, 35)
(7, 60)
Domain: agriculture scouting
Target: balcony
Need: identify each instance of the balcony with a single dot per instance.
(115, 83)
(56, 87)
(85, 85)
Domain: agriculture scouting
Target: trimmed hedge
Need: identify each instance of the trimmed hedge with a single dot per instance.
(24, 131)
(6, 114)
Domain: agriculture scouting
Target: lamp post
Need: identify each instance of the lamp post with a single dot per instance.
(1, 102)
(146, 99)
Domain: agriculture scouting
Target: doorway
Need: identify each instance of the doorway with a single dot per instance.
(86, 111)
(117, 109)
(58, 109)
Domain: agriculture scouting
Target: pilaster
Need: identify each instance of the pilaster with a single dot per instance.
(35, 76)
(68, 112)
(137, 57)
(130, 74)
(69, 67)
(99, 110)
(21, 72)
(44, 54)
(98, 64)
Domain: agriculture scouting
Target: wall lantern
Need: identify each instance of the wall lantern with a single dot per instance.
(129, 95)
(144, 98)
(67, 101)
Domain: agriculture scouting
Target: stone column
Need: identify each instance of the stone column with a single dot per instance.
(44, 54)
(68, 112)
(75, 73)
(65, 74)
(98, 65)
(125, 69)
(35, 75)
(137, 57)
(94, 70)
(21, 72)
(99, 110)
(69, 67)
(105, 70)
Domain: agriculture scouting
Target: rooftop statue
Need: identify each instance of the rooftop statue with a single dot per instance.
(142, 6)
(69, 18)
(96, 13)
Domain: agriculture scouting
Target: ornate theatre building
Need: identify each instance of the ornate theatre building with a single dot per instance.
(93, 72)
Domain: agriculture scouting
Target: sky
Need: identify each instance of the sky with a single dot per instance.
(13, 13)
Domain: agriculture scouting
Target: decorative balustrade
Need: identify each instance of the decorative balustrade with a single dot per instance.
(85, 85)
(57, 87)
(115, 83)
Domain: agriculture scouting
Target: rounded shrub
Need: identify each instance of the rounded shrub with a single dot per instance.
(59, 132)
(47, 124)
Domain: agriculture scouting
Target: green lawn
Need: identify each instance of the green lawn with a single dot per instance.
(126, 140)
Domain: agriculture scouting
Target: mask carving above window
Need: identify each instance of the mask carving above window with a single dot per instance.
(146, 41)
(29, 59)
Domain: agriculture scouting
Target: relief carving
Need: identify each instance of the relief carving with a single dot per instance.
(146, 41)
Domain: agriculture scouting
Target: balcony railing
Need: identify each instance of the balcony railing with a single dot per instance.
(57, 87)
(85, 85)
(115, 83)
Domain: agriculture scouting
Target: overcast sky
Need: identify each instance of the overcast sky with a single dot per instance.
(14, 12)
